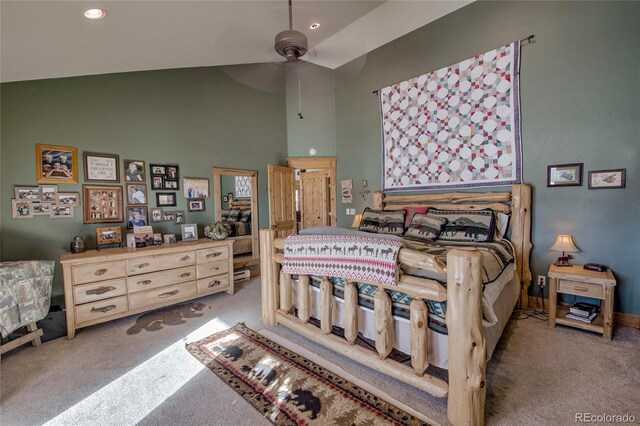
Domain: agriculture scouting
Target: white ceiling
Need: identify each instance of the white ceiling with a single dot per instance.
(49, 39)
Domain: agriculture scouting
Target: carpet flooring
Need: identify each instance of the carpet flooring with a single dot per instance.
(139, 372)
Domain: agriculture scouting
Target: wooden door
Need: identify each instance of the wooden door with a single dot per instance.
(282, 206)
(314, 199)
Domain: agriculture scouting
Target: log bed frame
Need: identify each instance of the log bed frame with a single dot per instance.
(466, 390)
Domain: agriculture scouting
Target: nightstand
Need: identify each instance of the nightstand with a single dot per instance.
(580, 282)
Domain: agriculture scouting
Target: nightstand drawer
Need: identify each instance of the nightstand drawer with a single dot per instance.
(580, 289)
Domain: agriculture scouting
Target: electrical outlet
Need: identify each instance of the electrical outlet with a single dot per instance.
(542, 281)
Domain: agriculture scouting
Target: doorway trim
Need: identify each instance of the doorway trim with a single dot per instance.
(320, 163)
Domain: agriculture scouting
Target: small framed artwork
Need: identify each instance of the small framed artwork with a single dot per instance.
(27, 193)
(165, 199)
(136, 194)
(134, 171)
(196, 205)
(137, 216)
(608, 179)
(169, 216)
(564, 175)
(171, 184)
(110, 235)
(157, 182)
(59, 211)
(41, 209)
(102, 203)
(190, 232)
(21, 209)
(156, 215)
(195, 187)
(101, 167)
(179, 216)
(48, 193)
(157, 170)
(230, 196)
(225, 199)
(56, 164)
(173, 171)
(169, 238)
(68, 198)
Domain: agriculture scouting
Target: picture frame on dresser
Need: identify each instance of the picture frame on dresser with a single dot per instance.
(102, 203)
(189, 232)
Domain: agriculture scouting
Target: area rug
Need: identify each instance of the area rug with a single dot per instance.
(288, 388)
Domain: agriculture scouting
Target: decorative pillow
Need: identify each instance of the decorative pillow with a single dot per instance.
(382, 221)
(466, 225)
(425, 227)
(224, 214)
(245, 216)
(410, 212)
(502, 225)
(234, 216)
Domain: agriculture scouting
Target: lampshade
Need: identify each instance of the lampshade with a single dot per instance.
(565, 243)
(356, 221)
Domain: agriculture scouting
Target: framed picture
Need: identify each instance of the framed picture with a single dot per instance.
(179, 216)
(196, 205)
(169, 238)
(165, 199)
(68, 198)
(169, 216)
(608, 179)
(230, 196)
(157, 170)
(173, 171)
(21, 209)
(134, 171)
(110, 235)
(137, 216)
(157, 182)
(102, 203)
(564, 175)
(56, 164)
(136, 194)
(156, 215)
(49, 193)
(195, 187)
(27, 193)
(41, 209)
(59, 211)
(101, 167)
(171, 184)
(225, 199)
(190, 232)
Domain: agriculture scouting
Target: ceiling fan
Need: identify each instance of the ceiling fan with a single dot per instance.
(290, 43)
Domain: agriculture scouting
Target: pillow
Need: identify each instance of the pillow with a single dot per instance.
(334, 230)
(502, 225)
(410, 212)
(234, 216)
(425, 227)
(245, 216)
(224, 214)
(466, 225)
(382, 221)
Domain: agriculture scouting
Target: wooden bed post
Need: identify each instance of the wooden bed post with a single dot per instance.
(467, 347)
(268, 277)
(521, 237)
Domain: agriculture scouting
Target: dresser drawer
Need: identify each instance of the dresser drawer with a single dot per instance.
(580, 289)
(161, 279)
(213, 268)
(86, 293)
(162, 296)
(104, 308)
(215, 253)
(213, 284)
(99, 271)
(160, 262)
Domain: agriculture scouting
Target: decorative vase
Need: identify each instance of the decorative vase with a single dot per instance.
(218, 231)
(77, 245)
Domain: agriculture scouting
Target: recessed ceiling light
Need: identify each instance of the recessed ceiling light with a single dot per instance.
(95, 14)
(315, 25)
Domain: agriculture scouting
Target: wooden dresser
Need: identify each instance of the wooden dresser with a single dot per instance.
(104, 285)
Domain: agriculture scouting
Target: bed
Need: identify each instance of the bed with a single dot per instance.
(239, 219)
(409, 315)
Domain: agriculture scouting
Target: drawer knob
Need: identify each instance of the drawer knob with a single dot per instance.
(213, 254)
(101, 271)
(145, 282)
(215, 283)
(215, 268)
(100, 290)
(142, 265)
(185, 258)
(103, 309)
(185, 274)
(579, 288)
(168, 294)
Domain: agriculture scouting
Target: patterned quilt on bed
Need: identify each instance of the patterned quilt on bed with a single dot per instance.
(496, 256)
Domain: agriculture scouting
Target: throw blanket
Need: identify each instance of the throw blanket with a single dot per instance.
(363, 259)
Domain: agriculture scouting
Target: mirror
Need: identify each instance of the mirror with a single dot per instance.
(235, 193)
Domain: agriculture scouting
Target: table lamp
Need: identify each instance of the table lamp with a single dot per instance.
(356, 221)
(564, 243)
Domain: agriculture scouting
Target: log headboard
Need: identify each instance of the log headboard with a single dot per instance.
(517, 203)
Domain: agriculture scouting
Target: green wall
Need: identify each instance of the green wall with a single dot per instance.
(198, 118)
(580, 92)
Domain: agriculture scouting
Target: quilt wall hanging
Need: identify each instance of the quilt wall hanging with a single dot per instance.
(455, 127)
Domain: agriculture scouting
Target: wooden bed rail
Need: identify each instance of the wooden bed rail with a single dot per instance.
(467, 350)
